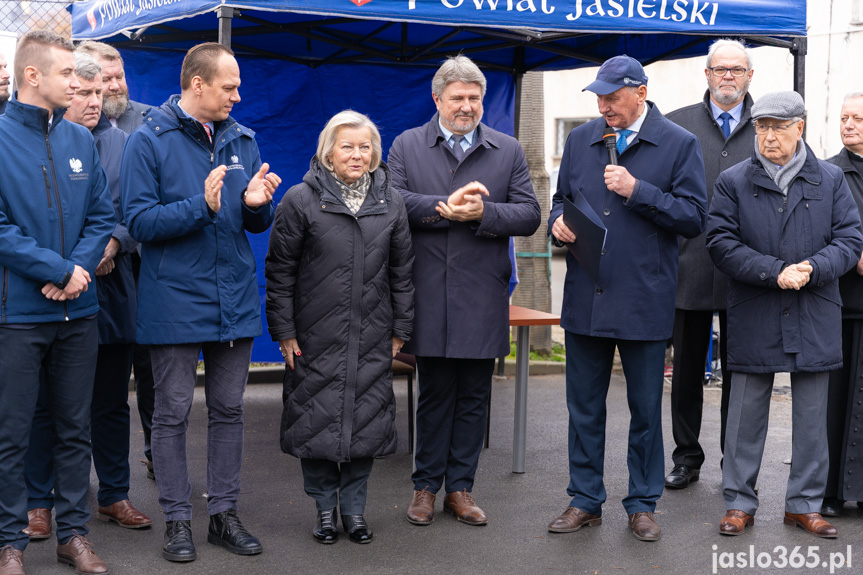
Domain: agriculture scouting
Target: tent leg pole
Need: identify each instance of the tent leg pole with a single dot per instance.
(226, 14)
(798, 50)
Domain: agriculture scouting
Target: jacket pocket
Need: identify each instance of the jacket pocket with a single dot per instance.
(47, 186)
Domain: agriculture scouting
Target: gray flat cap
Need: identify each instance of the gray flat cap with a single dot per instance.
(779, 105)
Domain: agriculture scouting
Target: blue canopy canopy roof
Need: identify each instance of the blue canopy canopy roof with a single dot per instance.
(511, 35)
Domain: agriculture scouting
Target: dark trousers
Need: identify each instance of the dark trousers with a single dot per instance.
(691, 344)
(67, 353)
(450, 422)
(174, 372)
(109, 432)
(145, 393)
(341, 485)
(588, 372)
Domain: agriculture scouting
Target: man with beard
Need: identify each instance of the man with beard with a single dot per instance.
(109, 413)
(4, 83)
(722, 125)
(127, 115)
(467, 190)
(123, 113)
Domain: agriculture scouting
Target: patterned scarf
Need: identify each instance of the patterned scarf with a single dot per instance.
(354, 194)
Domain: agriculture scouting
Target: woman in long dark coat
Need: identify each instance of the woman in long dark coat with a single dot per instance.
(340, 304)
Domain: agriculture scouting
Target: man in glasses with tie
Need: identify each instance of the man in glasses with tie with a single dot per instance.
(722, 125)
(653, 196)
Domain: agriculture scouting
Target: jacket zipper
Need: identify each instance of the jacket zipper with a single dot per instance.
(59, 207)
(5, 293)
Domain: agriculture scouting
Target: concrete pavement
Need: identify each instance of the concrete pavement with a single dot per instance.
(274, 506)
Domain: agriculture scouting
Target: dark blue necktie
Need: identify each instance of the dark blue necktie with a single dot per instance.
(726, 123)
(622, 135)
(456, 146)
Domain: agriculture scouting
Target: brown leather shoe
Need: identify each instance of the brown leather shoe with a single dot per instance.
(39, 524)
(644, 526)
(465, 509)
(11, 561)
(421, 509)
(124, 514)
(78, 553)
(811, 522)
(735, 521)
(573, 519)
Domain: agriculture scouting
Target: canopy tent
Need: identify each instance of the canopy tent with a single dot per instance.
(302, 61)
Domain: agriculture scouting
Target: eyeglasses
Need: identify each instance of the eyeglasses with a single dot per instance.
(720, 71)
(778, 129)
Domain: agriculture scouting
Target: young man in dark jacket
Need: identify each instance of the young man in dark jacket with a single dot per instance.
(55, 220)
(109, 418)
(192, 185)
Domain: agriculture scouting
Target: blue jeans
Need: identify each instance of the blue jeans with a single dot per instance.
(67, 352)
(174, 374)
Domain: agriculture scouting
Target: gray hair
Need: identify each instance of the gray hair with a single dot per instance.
(722, 42)
(347, 119)
(852, 96)
(86, 67)
(457, 69)
(100, 50)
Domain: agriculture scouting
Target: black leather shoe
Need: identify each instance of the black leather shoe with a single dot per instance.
(325, 529)
(227, 531)
(831, 507)
(681, 476)
(178, 542)
(355, 526)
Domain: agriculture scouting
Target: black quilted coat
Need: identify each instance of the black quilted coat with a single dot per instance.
(341, 284)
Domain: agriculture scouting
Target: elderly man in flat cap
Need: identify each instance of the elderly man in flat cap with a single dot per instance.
(656, 194)
(783, 227)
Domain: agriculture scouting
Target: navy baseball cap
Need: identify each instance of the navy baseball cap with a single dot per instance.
(615, 73)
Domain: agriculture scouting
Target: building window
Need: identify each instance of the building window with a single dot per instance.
(564, 126)
(857, 11)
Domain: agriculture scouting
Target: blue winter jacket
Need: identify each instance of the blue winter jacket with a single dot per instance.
(634, 297)
(55, 213)
(753, 233)
(197, 281)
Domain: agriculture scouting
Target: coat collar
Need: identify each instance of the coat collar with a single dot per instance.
(33, 116)
(811, 171)
(745, 114)
(843, 160)
(379, 195)
(651, 130)
(484, 136)
(103, 125)
(167, 117)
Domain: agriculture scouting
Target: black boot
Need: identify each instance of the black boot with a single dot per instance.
(227, 531)
(325, 529)
(356, 527)
(178, 542)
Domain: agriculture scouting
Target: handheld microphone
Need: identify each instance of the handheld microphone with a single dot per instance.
(609, 136)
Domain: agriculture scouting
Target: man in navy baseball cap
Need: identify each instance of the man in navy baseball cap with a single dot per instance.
(649, 193)
(616, 73)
